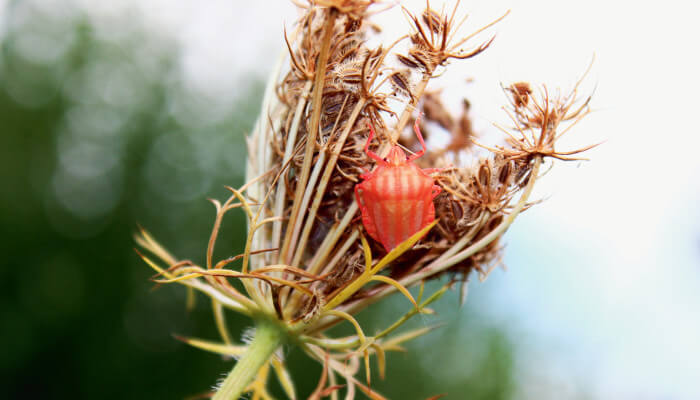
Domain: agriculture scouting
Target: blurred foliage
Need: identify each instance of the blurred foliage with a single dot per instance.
(100, 132)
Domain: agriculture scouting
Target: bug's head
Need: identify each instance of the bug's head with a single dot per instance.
(396, 156)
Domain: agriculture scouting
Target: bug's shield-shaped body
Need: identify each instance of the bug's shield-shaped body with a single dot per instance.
(396, 201)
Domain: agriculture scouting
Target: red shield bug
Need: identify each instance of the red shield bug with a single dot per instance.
(396, 199)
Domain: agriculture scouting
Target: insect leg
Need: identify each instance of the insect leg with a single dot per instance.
(367, 221)
(360, 203)
(436, 191)
(365, 173)
(429, 171)
(420, 139)
(369, 152)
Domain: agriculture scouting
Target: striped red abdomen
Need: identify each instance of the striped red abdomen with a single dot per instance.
(396, 202)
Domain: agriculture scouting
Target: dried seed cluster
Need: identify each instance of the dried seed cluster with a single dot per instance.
(307, 264)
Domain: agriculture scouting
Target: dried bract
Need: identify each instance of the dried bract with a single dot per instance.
(434, 43)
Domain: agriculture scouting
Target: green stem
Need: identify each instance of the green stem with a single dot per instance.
(268, 337)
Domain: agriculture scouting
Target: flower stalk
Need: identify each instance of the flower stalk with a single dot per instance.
(267, 339)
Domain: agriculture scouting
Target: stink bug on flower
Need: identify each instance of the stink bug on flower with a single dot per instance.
(396, 199)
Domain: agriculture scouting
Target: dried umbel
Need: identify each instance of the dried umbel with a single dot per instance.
(309, 262)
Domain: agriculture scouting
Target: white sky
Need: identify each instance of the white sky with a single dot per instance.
(604, 277)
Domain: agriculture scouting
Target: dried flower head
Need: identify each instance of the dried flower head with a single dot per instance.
(308, 263)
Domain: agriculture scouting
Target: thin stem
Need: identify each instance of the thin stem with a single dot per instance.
(321, 187)
(411, 313)
(463, 241)
(410, 107)
(310, 187)
(312, 129)
(257, 164)
(291, 142)
(268, 337)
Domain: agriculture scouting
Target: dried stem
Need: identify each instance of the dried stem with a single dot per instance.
(319, 79)
(280, 196)
(321, 188)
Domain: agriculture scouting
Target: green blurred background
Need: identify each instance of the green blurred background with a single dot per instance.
(100, 133)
